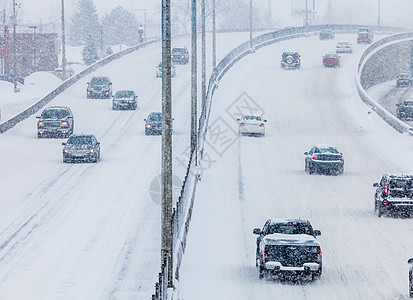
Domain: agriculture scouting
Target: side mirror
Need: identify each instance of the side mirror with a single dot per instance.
(256, 231)
(398, 104)
(238, 119)
(305, 153)
(410, 261)
(375, 184)
(87, 82)
(64, 144)
(317, 232)
(37, 117)
(144, 120)
(265, 120)
(97, 143)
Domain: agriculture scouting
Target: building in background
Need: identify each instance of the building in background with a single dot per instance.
(34, 52)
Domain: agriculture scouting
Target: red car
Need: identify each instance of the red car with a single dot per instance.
(331, 60)
(365, 38)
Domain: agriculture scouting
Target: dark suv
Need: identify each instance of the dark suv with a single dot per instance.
(288, 247)
(290, 60)
(99, 87)
(394, 192)
(55, 121)
(405, 109)
(153, 123)
(180, 55)
(403, 79)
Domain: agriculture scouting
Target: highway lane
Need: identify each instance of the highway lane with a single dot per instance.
(91, 231)
(253, 179)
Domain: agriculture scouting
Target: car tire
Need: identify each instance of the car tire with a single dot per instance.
(262, 272)
(311, 169)
(380, 211)
(410, 284)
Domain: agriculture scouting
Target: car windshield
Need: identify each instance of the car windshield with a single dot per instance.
(285, 54)
(178, 51)
(330, 55)
(327, 150)
(54, 114)
(403, 75)
(252, 118)
(408, 103)
(290, 228)
(99, 80)
(124, 94)
(80, 140)
(155, 117)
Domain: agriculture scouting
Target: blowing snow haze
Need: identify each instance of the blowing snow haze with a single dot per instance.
(327, 11)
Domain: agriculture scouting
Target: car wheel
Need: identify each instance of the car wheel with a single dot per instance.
(341, 171)
(311, 169)
(380, 211)
(113, 107)
(410, 284)
(262, 272)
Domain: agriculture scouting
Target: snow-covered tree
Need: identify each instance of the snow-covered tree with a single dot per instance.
(85, 24)
(108, 51)
(90, 52)
(120, 27)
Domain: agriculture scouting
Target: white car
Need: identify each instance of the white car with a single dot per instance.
(251, 125)
(344, 47)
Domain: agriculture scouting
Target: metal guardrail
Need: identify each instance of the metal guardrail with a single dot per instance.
(183, 211)
(66, 84)
(390, 119)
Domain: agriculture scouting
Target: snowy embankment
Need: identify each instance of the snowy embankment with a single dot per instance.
(247, 180)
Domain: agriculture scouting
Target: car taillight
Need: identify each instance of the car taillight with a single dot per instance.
(337, 46)
(404, 106)
(385, 190)
(385, 203)
(262, 125)
(242, 124)
(340, 158)
(266, 253)
(318, 255)
(314, 158)
(347, 46)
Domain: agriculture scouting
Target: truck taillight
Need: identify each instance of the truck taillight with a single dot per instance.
(318, 255)
(266, 253)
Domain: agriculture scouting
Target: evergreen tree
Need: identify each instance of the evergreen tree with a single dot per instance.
(108, 51)
(90, 52)
(121, 27)
(85, 24)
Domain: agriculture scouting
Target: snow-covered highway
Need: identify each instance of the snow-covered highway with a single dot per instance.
(364, 257)
(91, 231)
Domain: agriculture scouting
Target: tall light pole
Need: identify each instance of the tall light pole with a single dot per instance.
(63, 42)
(166, 191)
(214, 37)
(35, 46)
(194, 81)
(378, 13)
(251, 24)
(14, 17)
(203, 52)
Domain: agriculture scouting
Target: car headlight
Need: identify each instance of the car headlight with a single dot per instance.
(67, 151)
(64, 124)
(148, 126)
(115, 101)
(40, 124)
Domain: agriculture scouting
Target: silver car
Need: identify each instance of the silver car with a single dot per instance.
(81, 148)
(159, 70)
(55, 121)
(124, 99)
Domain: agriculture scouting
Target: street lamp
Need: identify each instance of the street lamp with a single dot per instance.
(34, 42)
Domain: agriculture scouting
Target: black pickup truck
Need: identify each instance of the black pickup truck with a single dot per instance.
(288, 247)
(394, 193)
